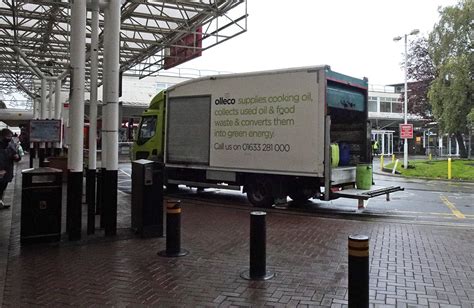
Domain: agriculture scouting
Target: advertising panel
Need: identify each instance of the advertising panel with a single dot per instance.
(267, 122)
(187, 48)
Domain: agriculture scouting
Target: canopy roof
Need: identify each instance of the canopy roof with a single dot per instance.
(39, 31)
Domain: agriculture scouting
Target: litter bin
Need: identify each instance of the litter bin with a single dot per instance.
(147, 198)
(41, 201)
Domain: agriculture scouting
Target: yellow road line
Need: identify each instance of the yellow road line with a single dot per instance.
(452, 207)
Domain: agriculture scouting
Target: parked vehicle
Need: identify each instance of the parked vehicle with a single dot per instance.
(269, 132)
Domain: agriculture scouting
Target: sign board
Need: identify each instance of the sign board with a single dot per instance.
(45, 130)
(187, 48)
(406, 131)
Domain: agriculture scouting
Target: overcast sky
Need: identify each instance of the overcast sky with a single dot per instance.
(353, 37)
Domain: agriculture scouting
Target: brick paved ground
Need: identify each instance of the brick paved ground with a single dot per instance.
(411, 265)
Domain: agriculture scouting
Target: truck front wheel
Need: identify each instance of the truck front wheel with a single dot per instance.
(259, 192)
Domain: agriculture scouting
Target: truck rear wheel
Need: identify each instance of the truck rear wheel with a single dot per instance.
(259, 192)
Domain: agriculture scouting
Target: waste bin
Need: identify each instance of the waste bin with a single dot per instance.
(41, 199)
(147, 198)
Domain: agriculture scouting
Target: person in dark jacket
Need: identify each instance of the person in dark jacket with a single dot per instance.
(8, 155)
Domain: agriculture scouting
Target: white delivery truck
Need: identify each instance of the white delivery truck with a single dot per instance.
(301, 132)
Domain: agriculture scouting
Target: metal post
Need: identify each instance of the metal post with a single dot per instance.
(112, 53)
(103, 156)
(50, 104)
(91, 171)
(358, 271)
(405, 143)
(469, 143)
(57, 113)
(75, 155)
(43, 105)
(32, 144)
(173, 230)
(449, 145)
(50, 113)
(258, 249)
(449, 168)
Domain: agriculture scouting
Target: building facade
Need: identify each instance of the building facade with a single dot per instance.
(386, 113)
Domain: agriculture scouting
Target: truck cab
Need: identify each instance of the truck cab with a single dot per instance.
(148, 143)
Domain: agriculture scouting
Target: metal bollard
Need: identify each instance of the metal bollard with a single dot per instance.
(173, 230)
(358, 271)
(449, 169)
(258, 251)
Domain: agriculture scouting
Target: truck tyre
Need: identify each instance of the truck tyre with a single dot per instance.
(259, 192)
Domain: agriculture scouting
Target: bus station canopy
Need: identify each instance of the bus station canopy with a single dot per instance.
(155, 35)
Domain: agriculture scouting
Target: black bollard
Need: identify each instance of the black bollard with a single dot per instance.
(173, 230)
(258, 249)
(358, 271)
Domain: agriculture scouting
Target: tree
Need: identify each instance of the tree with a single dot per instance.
(420, 68)
(451, 91)
(470, 117)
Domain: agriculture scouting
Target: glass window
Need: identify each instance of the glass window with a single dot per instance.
(147, 129)
(161, 86)
(385, 107)
(373, 106)
(397, 107)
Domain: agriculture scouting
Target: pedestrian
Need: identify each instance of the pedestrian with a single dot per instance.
(24, 139)
(8, 155)
(375, 147)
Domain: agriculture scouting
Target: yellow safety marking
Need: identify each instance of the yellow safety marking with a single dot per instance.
(427, 213)
(357, 253)
(452, 207)
(173, 211)
(449, 168)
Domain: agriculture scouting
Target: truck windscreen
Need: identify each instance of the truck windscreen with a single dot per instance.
(147, 129)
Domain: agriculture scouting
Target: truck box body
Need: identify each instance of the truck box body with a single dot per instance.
(260, 122)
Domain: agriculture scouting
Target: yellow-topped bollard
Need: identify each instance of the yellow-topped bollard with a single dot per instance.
(381, 162)
(173, 230)
(358, 268)
(449, 168)
(393, 158)
(429, 157)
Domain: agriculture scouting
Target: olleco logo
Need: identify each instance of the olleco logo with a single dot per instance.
(224, 100)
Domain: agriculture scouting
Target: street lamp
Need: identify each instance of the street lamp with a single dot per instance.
(405, 143)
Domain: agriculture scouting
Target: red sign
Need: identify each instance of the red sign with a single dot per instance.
(406, 131)
(187, 48)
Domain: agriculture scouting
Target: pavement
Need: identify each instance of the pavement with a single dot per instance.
(411, 265)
